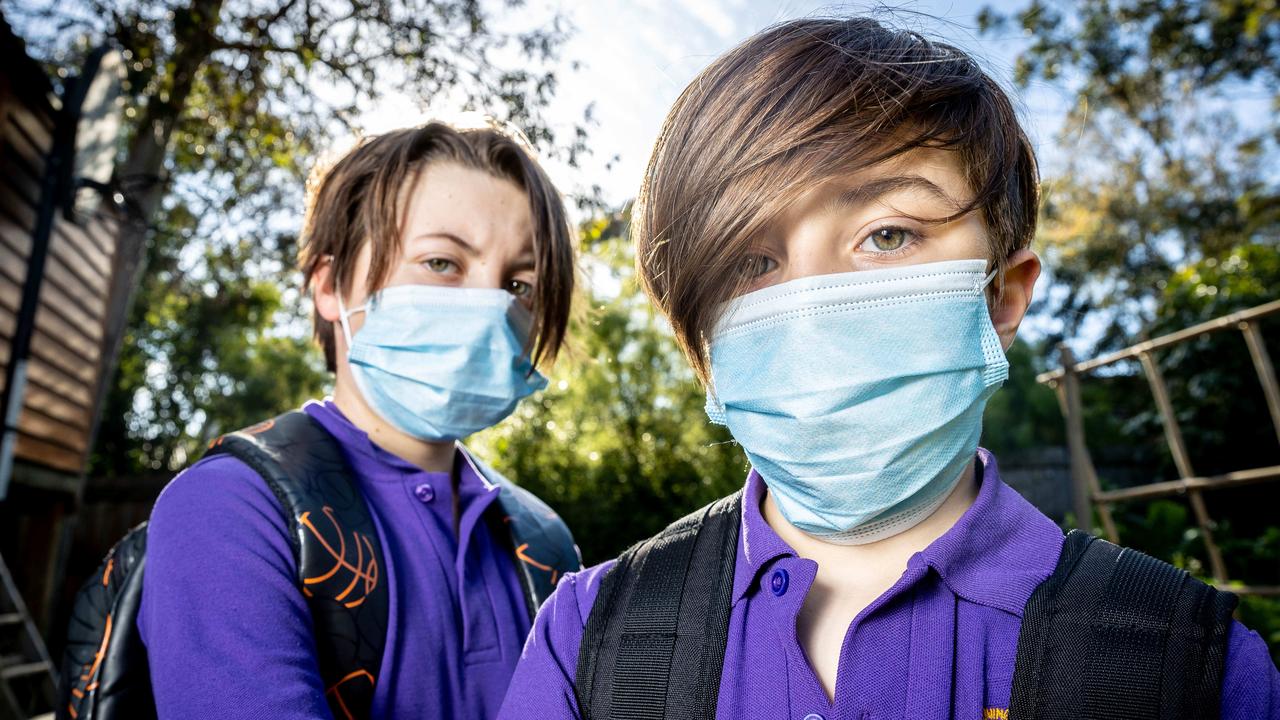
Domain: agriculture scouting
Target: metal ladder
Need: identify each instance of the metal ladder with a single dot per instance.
(27, 676)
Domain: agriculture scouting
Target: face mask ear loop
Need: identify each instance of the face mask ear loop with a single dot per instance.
(342, 320)
(343, 314)
(987, 280)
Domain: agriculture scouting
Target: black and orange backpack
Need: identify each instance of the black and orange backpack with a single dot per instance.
(105, 674)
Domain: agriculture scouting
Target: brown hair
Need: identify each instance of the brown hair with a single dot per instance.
(358, 199)
(798, 104)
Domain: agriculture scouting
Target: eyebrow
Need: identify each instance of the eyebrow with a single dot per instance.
(524, 262)
(467, 247)
(870, 192)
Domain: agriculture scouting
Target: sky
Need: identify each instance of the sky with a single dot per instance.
(634, 57)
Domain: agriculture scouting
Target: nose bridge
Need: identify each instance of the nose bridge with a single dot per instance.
(487, 270)
(814, 250)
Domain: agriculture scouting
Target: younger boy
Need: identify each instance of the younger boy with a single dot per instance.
(836, 221)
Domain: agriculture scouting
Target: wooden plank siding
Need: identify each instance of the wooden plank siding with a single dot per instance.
(65, 360)
(23, 217)
(76, 314)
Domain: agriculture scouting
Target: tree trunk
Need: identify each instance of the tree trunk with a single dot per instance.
(144, 179)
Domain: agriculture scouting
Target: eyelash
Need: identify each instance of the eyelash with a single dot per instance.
(427, 264)
(914, 239)
(744, 269)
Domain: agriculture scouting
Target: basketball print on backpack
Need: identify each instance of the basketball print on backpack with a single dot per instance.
(104, 669)
(356, 561)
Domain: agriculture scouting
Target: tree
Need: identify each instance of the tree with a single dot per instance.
(1167, 214)
(619, 443)
(1172, 137)
(229, 102)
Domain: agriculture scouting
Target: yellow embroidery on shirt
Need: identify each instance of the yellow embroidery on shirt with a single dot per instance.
(995, 714)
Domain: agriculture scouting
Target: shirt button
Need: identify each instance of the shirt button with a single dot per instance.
(814, 716)
(778, 584)
(425, 493)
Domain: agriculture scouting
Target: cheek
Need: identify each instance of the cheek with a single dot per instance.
(360, 268)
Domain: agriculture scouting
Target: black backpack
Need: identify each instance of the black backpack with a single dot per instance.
(105, 675)
(1112, 634)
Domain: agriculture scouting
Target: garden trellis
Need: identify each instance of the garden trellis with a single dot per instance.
(1087, 491)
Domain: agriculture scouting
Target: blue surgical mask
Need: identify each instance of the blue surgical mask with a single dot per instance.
(441, 363)
(858, 397)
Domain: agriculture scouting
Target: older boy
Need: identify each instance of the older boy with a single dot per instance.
(441, 267)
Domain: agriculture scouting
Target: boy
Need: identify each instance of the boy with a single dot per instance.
(836, 221)
(441, 267)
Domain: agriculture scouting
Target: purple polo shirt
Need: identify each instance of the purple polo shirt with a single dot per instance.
(940, 643)
(229, 635)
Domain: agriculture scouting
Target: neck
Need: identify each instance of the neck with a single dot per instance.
(430, 455)
(888, 555)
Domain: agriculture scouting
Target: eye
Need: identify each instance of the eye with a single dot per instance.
(753, 266)
(440, 265)
(519, 288)
(887, 240)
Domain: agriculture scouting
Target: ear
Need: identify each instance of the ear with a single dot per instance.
(324, 294)
(1017, 283)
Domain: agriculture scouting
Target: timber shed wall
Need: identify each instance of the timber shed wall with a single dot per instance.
(66, 364)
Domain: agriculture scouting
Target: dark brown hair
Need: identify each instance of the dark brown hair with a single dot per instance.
(359, 199)
(796, 105)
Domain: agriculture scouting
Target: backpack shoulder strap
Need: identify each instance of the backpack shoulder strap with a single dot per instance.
(653, 646)
(1114, 633)
(341, 570)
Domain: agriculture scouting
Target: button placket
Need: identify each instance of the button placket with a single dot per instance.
(933, 624)
(783, 590)
(476, 578)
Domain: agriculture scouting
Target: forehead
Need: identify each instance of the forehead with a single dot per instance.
(450, 197)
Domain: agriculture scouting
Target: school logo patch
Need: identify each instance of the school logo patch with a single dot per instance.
(995, 714)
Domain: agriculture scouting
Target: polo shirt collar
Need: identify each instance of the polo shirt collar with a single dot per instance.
(371, 461)
(995, 555)
(368, 460)
(1000, 549)
(758, 544)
